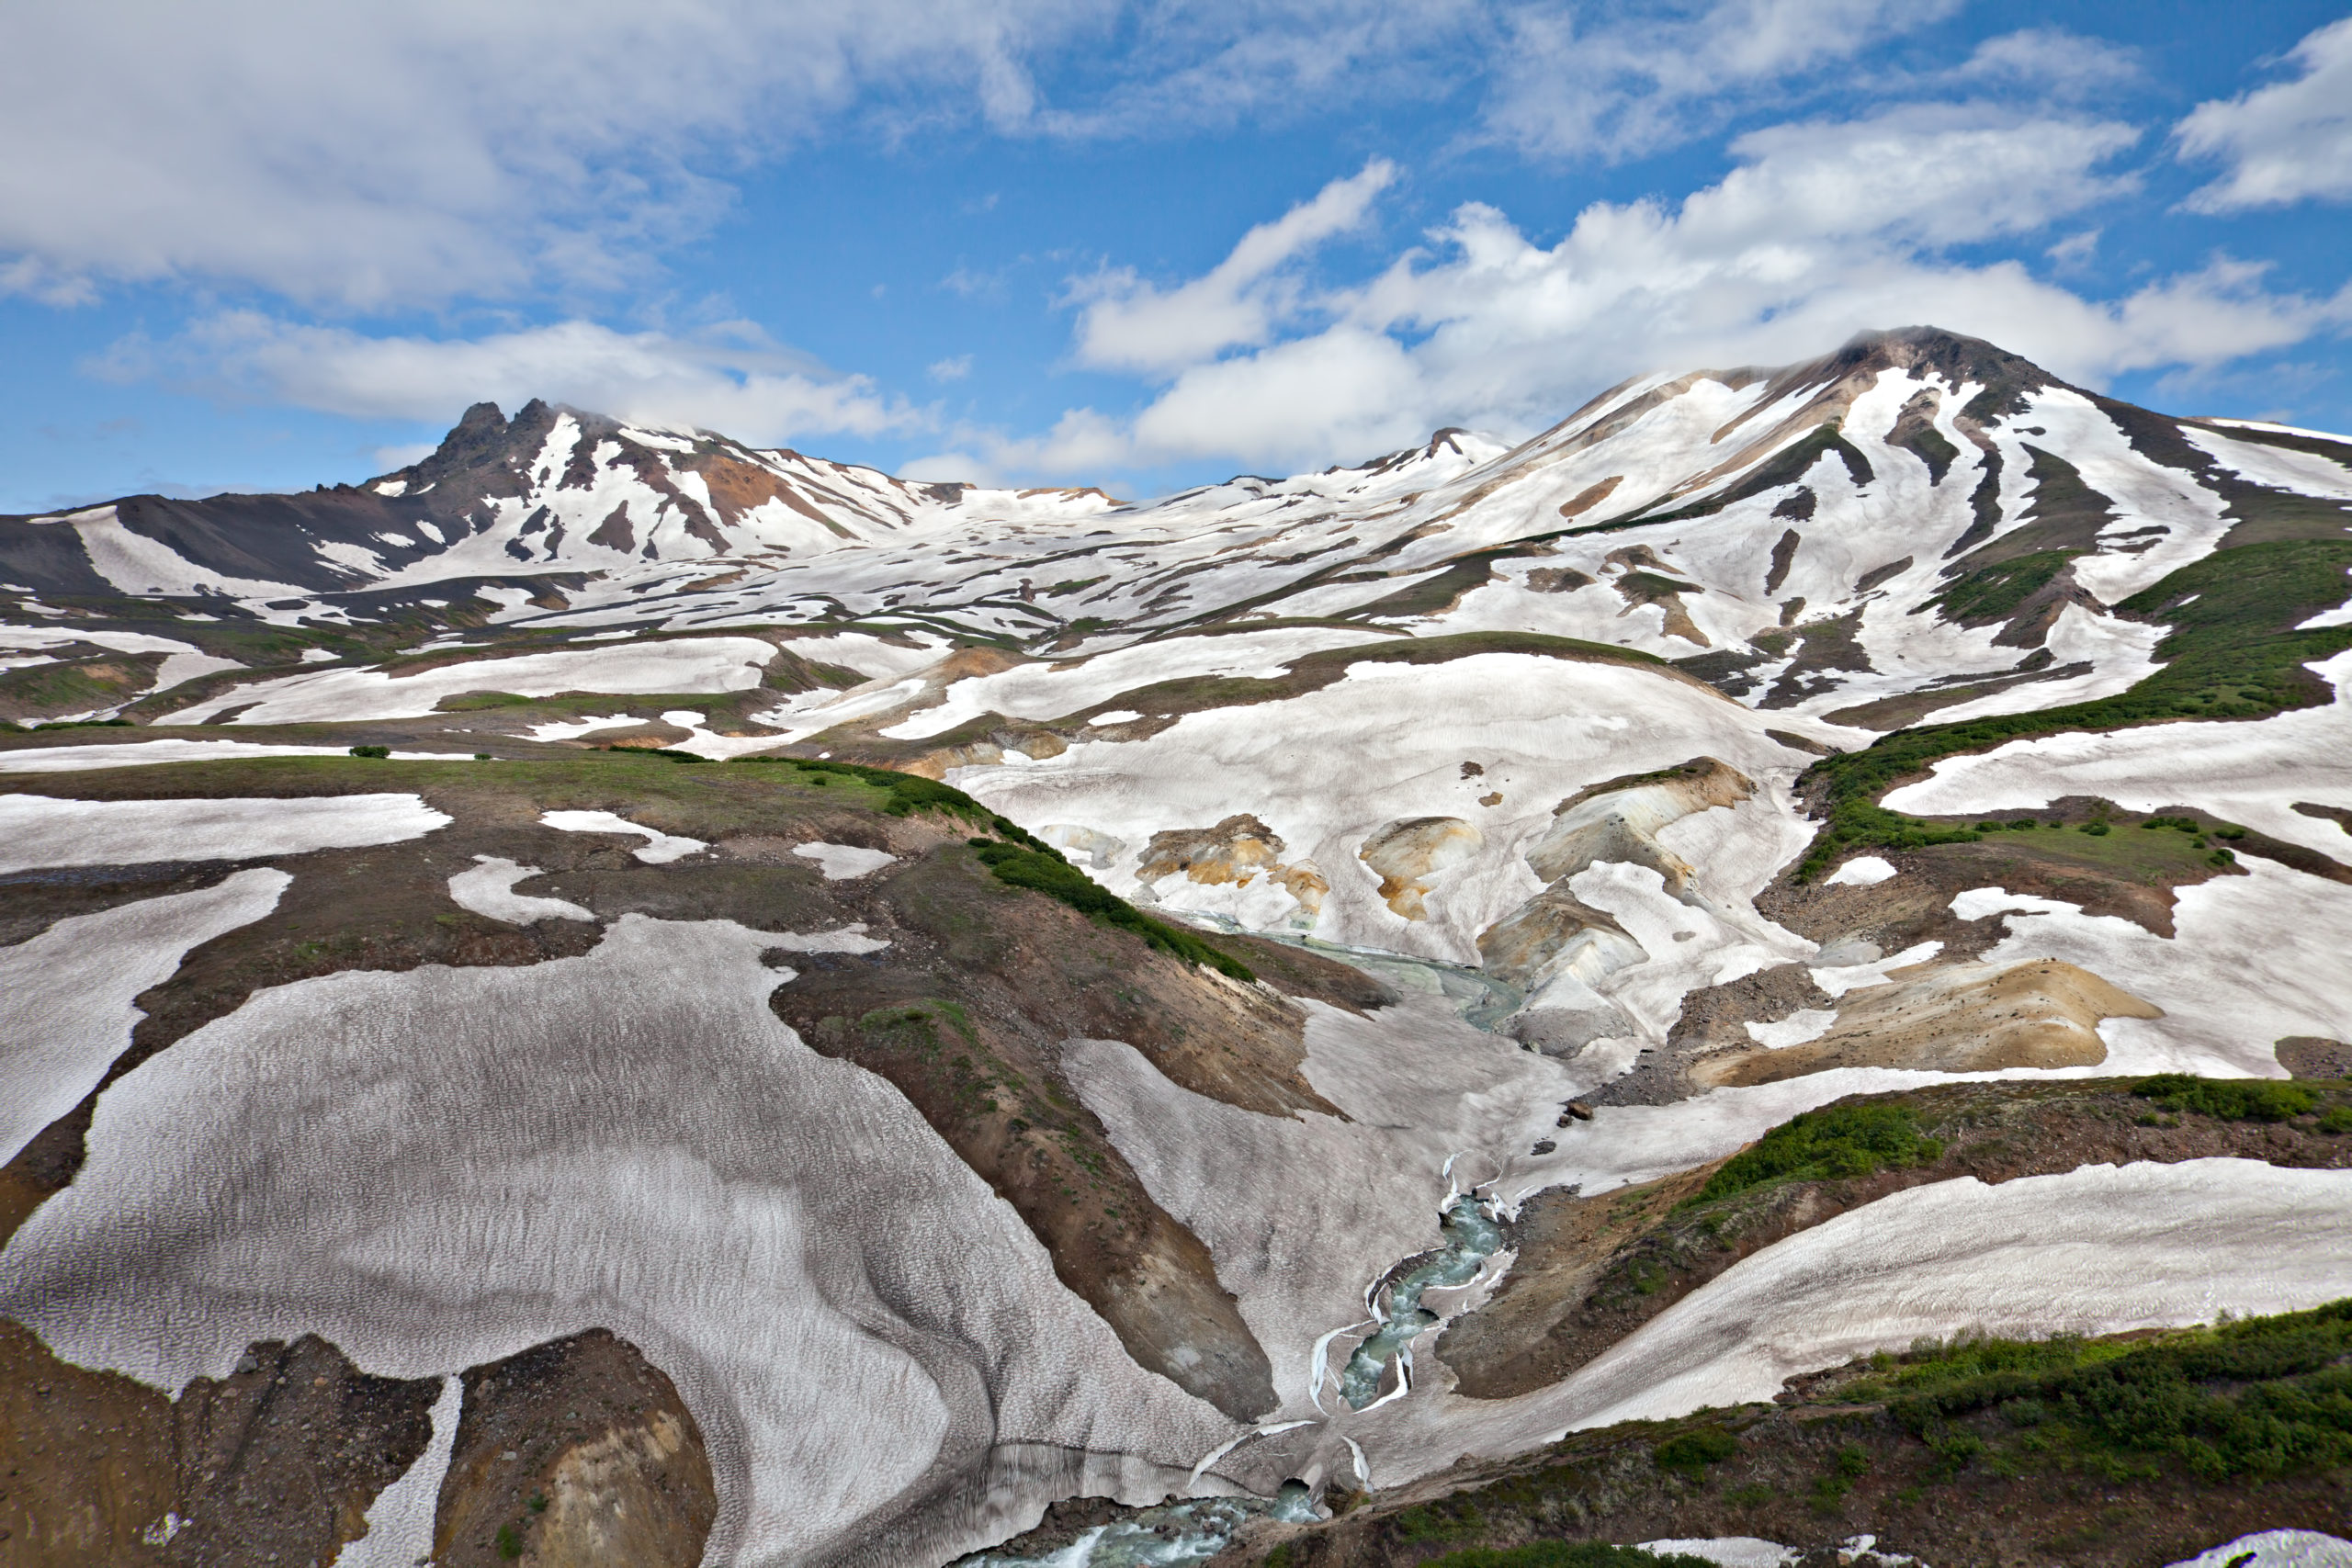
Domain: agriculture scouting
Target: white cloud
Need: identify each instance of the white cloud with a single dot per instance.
(1658, 77)
(377, 153)
(2287, 143)
(2050, 58)
(953, 369)
(729, 381)
(1128, 324)
(1824, 230)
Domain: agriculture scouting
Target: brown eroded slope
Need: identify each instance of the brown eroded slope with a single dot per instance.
(1953, 1018)
(1592, 1270)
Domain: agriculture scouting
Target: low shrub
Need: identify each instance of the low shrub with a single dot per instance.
(1036, 867)
(2228, 1099)
(378, 753)
(1692, 1452)
(1839, 1141)
(2257, 1397)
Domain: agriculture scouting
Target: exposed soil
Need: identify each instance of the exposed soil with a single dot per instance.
(2311, 1056)
(1823, 648)
(1592, 1270)
(1963, 1018)
(277, 1462)
(1910, 708)
(967, 1012)
(2130, 871)
(577, 1453)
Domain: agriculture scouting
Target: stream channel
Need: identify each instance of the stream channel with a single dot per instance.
(1198, 1528)
(1190, 1531)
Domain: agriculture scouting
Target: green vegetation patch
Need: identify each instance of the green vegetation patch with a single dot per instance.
(1028, 864)
(2228, 1099)
(1565, 1555)
(1690, 1453)
(2266, 1396)
(1994, 593)
(904, 794)
(2233, 652)
(1834, 1143)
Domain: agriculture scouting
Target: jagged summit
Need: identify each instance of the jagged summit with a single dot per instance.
(1932, 460)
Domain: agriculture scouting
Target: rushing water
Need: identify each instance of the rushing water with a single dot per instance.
(1174, 1533)
(1470, 1239)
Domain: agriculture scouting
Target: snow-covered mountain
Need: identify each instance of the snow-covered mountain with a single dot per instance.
(1918, 516)
(1254, 986)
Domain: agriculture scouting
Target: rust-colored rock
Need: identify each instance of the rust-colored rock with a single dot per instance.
(577, 1453)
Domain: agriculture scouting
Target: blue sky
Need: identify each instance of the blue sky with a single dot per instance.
(262, 245)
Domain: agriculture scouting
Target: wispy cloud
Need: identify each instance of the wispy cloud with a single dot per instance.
(729, 379)
(2290, 142)
(1129, 324)
(1640, 79)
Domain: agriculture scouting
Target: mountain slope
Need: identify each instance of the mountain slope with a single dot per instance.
(1299, 915)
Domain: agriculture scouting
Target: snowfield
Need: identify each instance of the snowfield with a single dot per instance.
(66, 994)
(438, 1167)
(1537, 727)
(698, 664)
(35, 830)
(2251, 771)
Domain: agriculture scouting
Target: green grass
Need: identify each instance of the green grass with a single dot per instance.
(1829, 1144)
(2235, 1401)
(1043, 870)
(2233, 653)
(2228, 1099)
(2114, 847)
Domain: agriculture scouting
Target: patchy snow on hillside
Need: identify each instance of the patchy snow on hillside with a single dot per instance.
(2282, 468)
(1538, 729)
(1303, 1214)
(137, 564)
(845, 863)
(2254, 959)
(658, 848)
(182, 662)
(2276, 1549)
(695, 664)
(2099, 1250)
(143, 753)
(66, 993)
(37, 829)
(399, 1521)
(437, 1168)
(489, 889)
(1055, 691)
(2247, 771)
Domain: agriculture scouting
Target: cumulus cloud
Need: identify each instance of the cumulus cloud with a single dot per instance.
(372, 154)
(730, 381)
(1825, 229)
(375, 154)
(1128, 324)
(2290, 142)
